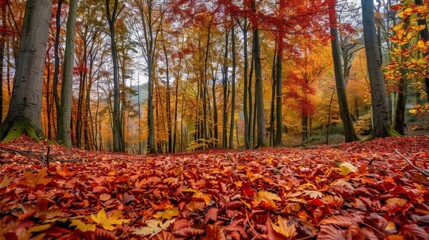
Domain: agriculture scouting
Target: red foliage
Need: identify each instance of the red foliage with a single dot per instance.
(354, 191)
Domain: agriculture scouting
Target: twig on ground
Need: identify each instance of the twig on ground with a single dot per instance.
(424, 172)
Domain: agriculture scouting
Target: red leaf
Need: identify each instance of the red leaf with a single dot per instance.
(211, 215)
(412, 231)
(343, 221)
(247, 190)
(329, 232)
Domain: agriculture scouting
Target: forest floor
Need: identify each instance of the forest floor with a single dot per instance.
(362, 190)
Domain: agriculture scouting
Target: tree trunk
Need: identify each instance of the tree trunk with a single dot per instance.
(215, 113)
(246, 97)
(380, 107)
(225, 93)
(424, 34)
(349, 131)
(273, 96)
(259, 97)
(279, 98)
(118, 145)
(57, 58)
(2, 51)
(64, 112)
(26, 103)
(234, 67)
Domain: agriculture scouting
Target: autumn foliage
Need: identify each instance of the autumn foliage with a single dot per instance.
(354, 191)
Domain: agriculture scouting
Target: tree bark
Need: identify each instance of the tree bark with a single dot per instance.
(26, 103)
(234, 69)
(64, 116)
(225, 93)
(118, 145)
(380, 107)
(279, 98)
(349, 131)
(57, 57)
(424, 34)
(259, 97)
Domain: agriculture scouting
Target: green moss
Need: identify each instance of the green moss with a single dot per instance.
(19, 127)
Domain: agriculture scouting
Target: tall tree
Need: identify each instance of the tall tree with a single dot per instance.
(259, 97)
(64, 111)
(380, 107)
(149, 21)
(26, 103)
(112, 13)
(424, 34)
(349, 131)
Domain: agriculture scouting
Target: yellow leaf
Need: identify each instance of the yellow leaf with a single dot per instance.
(400, 201)
(201, 196)
(268, 198)
(398, 26)
(40, 228)
(167, 214)
(154, 226)
(83, 226)
(347, 168)
(108, 222)
(6, 180)
(283, 227)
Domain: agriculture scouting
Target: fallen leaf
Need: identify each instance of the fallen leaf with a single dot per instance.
(284, 228)
(108, 222)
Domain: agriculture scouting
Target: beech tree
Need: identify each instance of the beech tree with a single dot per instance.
(25, 107)
(380, 107)
(64, 111)
(349, 131)
(112, 13)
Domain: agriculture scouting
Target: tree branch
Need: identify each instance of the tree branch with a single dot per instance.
(424, 172)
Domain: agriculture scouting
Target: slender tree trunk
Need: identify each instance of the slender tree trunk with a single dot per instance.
(26, 103)
(259, 98)
(57, 58)
(279, 99)
(247, 129)
(349, 131)
(273, 96)
(118, 145)
(215, 114)
(64, 134)
(2, 51)
(168, 104)
(234, 69)
(380, 105)
(225, 93)
(424, 34)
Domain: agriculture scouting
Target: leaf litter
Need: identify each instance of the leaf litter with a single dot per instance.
(352, 191)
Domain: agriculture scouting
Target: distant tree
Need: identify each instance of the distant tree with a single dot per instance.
(26, 103)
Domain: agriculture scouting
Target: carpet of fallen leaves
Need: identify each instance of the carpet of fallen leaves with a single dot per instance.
(352, 191)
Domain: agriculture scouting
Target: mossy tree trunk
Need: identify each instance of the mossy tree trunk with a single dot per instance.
(24, 116)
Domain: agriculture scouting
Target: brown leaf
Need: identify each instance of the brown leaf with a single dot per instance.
(329, 232)
(189, 232)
